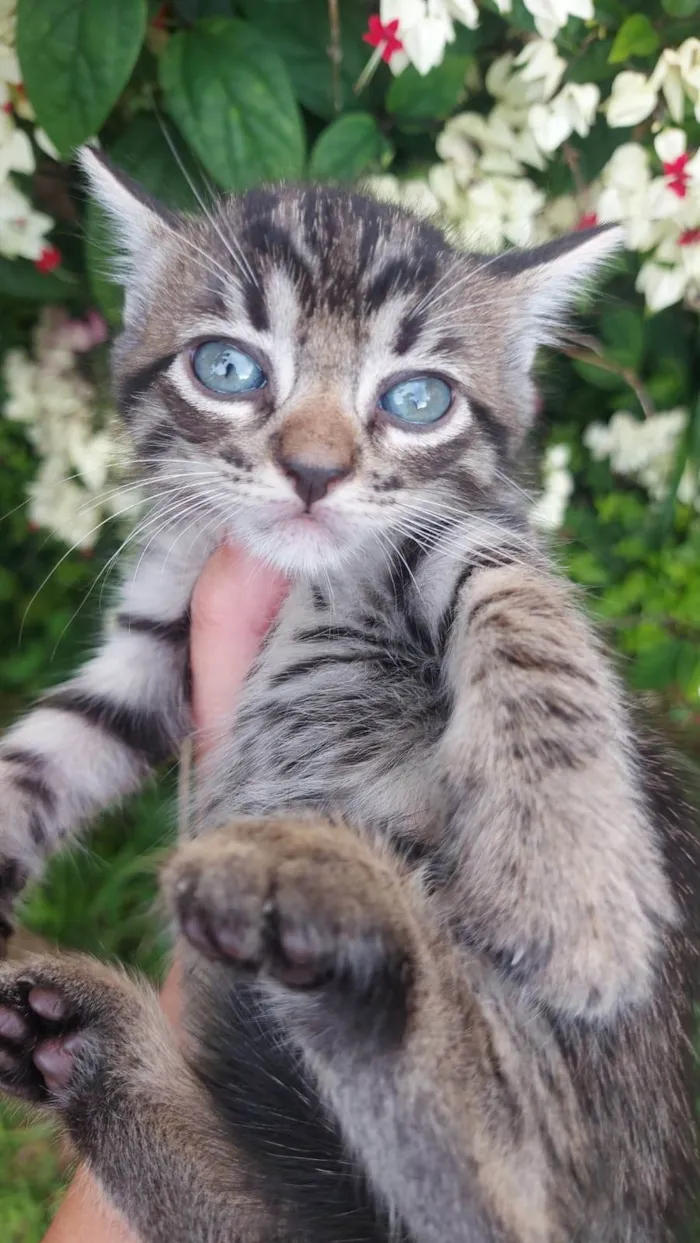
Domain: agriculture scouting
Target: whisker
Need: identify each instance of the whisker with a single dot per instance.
(237, 255)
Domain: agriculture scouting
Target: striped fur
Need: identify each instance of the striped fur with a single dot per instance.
(494, 906)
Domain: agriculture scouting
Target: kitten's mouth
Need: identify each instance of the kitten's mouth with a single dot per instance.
(297, 539)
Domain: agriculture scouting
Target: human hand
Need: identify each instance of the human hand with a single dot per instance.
(233, 606)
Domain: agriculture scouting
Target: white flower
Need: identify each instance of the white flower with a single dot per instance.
(43, 141)
(573, 109)
(560, 215)
(465, 11)
(59, 407)
(16, 154)
(632, 99)
(689, 64)
(643, 450)
(22, 230)
(667, 78)
(63, 507)
(552, 15)
(540, 62)
(661, 285)
(670, 144)
(7, 21)
(426, 27)
(549, 510)
(626, 196)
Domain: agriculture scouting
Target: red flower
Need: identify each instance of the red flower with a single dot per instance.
(49, 259)
(588, 220)
(378, 34)
(7, 106)
(679, 177)
(689, 238)
(160, 19)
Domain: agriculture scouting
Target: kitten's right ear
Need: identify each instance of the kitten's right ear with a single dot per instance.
(139, 220)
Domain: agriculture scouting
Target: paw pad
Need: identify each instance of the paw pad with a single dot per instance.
(38, 1041)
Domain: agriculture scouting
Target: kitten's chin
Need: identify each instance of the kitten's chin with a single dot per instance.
(300, 546)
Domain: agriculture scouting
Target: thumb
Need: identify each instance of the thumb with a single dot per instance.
(234, 604)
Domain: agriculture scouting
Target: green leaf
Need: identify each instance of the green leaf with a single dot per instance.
(636, 37)
(656, 668)
(232, 99)
(598, 377)
(143, 151)
(20, 279)
(299, 31)
(191, 10)
(623, 332)
(76, 57)
(680, 8)
(347, 148)
(433, 96)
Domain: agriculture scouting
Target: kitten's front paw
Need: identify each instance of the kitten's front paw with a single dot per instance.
(303, 903)
(58, 1019)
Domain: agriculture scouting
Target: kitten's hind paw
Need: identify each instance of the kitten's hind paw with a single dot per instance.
(303, 904)
(59, 1019)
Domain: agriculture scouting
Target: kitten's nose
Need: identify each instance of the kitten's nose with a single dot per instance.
(311, 483)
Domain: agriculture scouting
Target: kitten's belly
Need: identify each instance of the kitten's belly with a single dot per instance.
(339, 722)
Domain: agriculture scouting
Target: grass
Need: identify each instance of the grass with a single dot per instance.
(99, 899)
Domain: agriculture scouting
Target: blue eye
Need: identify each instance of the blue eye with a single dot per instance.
(224, 369)
(422, 399)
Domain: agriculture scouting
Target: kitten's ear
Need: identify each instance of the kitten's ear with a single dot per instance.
(139, 220)
(544, 283)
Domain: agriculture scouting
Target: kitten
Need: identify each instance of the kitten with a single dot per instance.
(435, 915)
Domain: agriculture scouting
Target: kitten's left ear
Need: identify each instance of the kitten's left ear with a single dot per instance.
(139, 220)
(545, 282)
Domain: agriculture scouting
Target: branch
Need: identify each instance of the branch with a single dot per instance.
(592, 353)
(335, 54)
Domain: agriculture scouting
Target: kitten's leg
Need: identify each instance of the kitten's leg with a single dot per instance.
(94, 739)
(551, 859)
(83, 1041)
(424, 1074)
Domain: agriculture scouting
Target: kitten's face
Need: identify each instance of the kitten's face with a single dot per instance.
(315, 374)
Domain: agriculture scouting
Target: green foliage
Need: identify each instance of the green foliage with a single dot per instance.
(636, 37)
(233, 100)
(300, 34)
(680, 8)
(348, 147)
(420, 99)
(76, 57)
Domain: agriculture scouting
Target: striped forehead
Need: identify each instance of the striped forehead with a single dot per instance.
(340, 255)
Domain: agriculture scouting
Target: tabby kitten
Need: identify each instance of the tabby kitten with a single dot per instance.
(435, 913)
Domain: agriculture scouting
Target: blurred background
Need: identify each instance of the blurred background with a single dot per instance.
(512, 121)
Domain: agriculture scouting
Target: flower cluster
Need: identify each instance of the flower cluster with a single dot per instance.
(418, 31)
(646, 451)
(660, 213)
(558, 484)
(482, 184)
(23, 229)
(61, 408)
(486, 183)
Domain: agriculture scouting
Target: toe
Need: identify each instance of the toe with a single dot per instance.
(12, 1025)
(55, 1062)
(47, 1003)
(9, 1060)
